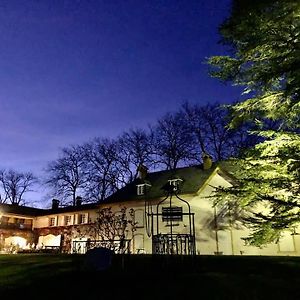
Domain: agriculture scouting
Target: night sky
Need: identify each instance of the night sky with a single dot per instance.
(74, 70)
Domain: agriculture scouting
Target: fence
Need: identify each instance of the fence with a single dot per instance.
(118, 246)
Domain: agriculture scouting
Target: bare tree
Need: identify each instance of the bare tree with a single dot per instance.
(173, 140)
(101, 159)
(14, 185)
(67, 175)
(210, 127)
(113, 228)
(135, 149)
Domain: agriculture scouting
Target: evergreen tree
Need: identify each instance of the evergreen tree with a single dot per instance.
(264, 41)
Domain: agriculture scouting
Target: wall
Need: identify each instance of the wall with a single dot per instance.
(228, 239)
(214, 233)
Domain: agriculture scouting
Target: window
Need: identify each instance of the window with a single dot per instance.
(141, 189)
(175, 183)
(28, 223)
(20, 222)
(173, 214)
(4, 220)
(52, 221)
(68, 220)
(82, 219)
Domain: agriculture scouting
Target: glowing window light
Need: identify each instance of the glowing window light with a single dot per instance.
(16, 241)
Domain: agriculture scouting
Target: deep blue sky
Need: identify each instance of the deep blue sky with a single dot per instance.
(73, 70)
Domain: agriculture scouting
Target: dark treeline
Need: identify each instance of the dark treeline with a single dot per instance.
(98, 168)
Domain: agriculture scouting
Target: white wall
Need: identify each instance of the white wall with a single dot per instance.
(15, 241)
(49, 240)
(226, 240)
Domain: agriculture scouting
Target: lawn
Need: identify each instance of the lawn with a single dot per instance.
(42, 276)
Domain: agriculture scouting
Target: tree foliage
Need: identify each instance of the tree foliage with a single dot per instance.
(264, 41)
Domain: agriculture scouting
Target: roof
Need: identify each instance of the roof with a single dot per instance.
(35, 212)
(192, 179)
(21, 210)
(66, 209)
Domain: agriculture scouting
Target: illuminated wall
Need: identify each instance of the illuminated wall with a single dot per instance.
(16, 241)
(214, 235)
(49, 240)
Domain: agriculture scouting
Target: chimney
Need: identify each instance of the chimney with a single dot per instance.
(143, 171)
(207, 161)
(55, 203)
(78, 200)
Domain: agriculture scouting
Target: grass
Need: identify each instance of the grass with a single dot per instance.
(150, 277)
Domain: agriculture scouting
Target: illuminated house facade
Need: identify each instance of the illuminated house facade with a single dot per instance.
(173, 213)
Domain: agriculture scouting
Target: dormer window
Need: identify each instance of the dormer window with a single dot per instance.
(174, 183)
(141, 189)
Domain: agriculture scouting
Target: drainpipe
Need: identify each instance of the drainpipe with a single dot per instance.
(216, 229)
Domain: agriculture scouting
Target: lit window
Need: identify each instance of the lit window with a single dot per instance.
(51, 221)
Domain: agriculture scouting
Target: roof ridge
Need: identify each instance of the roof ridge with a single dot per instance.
(170, 170)
(22, 206)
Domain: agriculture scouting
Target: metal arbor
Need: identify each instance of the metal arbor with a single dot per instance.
(170, 223)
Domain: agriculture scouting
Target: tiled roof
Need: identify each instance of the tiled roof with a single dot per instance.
(34, 212)
(21, 210)
(67, 209)
(192, 179)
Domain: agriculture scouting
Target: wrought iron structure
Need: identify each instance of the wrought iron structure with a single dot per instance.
(170, 223)
(118, 246)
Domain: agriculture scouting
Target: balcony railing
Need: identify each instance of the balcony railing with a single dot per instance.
(183, 244)
(19, 226)
(118, 246)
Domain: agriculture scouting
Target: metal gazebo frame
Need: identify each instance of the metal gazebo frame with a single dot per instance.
(170, 242)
